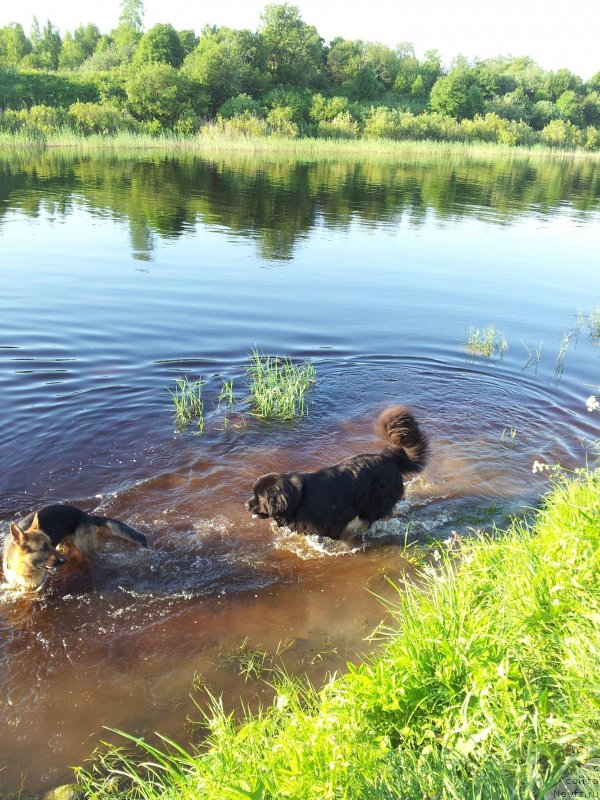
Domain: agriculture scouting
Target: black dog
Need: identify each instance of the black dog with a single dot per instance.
(366, 486)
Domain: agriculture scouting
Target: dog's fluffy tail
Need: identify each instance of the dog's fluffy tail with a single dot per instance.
(398, 426)
(121, 530)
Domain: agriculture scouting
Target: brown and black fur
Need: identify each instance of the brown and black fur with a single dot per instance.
(366, 486)
(34, 546)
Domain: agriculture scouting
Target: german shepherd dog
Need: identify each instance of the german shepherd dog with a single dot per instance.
(32, 549)
(366, 486)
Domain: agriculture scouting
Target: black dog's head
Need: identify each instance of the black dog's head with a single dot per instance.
(276, 496)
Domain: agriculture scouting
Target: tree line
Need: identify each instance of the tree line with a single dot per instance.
(282, 79)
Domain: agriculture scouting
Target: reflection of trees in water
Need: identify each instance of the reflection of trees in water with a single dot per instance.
(277, 203)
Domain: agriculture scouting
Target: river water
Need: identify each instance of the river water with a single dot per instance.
(120, 274)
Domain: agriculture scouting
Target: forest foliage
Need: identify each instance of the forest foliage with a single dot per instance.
(282, 79)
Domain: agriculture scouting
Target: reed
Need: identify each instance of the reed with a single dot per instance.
(187, 399)
(268, 145)
(278, 386)
(483, 690)
(486, 342)
(594, 323)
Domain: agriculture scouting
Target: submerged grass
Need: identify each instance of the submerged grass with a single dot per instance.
(486, 688)
(278, 386)
(486, 342)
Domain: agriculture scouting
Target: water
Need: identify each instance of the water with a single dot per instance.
(119, 275)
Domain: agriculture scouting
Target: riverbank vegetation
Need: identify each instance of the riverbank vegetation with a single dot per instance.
(282, 80)
(484, 688)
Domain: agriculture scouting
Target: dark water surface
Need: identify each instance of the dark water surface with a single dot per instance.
(119, 275)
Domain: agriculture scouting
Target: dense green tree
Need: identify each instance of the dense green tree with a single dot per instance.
(224, 63)
(46, 45)
(383, 61)
(160, 92)
(457, 95)
(570, 107)
(344, 59)
(160, 45)
(294, 52)
(129, 31)
(14, 45)
(563, 81)
(188, 41)
(72, 54)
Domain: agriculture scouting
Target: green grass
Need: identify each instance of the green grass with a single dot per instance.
(486, 342)
(594, 323)
(187, 399)
(486, 687)
(278, 386)
(268, 145)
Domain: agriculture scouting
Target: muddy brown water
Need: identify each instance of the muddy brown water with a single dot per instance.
(120, 275)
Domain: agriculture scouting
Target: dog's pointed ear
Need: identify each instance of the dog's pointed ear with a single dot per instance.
(35, 523)
(17, 534)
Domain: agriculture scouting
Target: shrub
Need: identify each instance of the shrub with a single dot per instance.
(102, 118)
(280, 121)
(382, 123)
(342, 126)
(240, 104)
(43, 118)
(246, 125)
(562, 134)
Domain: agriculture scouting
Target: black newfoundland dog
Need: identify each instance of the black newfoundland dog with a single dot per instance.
(366, 486)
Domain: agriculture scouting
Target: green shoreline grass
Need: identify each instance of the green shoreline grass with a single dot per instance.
(487, 687)
(271, 145)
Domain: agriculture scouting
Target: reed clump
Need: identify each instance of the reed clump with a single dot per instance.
(486, 342)
(484, 687)
(187, 399)
(278, 386)
(594, 323)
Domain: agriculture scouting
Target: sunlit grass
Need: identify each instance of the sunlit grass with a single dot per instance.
(187, 399)
(484, 689)
(124, 141)
(278, 386)
(486, 342)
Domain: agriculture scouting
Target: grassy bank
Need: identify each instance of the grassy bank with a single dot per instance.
(26, 141)
(486, 688)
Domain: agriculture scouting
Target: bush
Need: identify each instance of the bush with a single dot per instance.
(561, 134)
(280, 121)
(19, 89)
(160, 92)
(382, 123)
(43, 118)
(102, 118)
(246, 125)
(342, 126)
(241, 104)
(592, 138)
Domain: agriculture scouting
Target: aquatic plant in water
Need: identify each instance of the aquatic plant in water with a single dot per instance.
(188, 402)
(486, 342)
(594, 323)
(278, 386)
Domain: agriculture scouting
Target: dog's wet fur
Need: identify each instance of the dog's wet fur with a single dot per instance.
(35, 547)
(366, 486)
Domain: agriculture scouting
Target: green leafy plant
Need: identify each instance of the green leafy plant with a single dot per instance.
(486, 342)
(278, 386)
(187, 399)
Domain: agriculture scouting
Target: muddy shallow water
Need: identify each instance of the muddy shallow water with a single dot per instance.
(120, 275)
